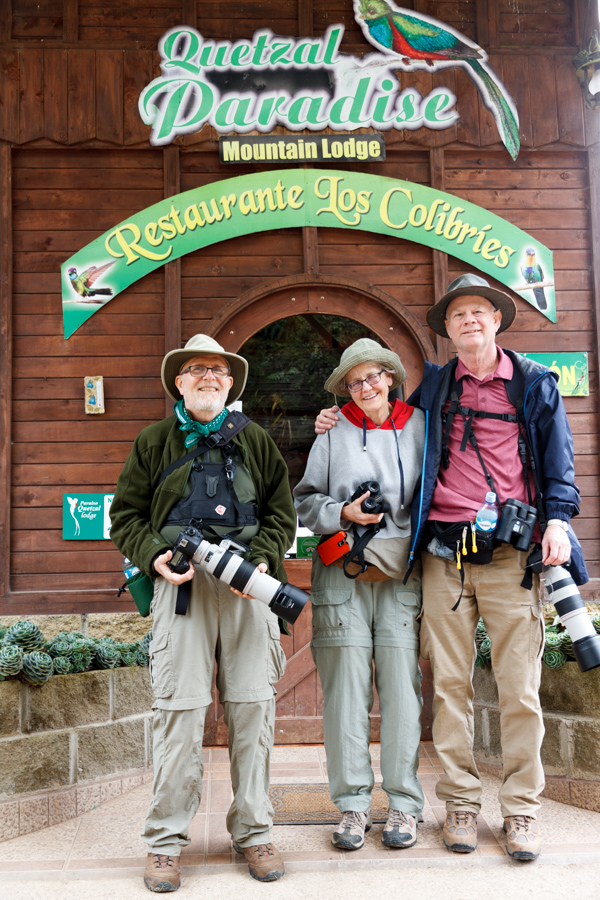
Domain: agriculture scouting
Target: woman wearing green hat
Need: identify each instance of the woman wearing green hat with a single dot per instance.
(362, 612)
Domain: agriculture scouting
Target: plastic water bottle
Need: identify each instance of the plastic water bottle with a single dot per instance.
(487, 514)
(129, 569)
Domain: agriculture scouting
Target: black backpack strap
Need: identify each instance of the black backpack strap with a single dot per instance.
(234, 423)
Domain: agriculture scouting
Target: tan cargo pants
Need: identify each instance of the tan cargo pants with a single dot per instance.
(515, 626)
(242, 635)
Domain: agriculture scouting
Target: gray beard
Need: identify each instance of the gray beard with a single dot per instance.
(207, 402)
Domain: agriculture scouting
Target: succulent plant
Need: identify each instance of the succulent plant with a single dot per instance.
(595, 622)
(144, 645)
(553, 641)
(60, 648)
(485, 650)
(26, 635)
(555, 659)
(567, 645)
(107, 656)
(11, 660)
(37, 667)
(62, 665)
(141, 658)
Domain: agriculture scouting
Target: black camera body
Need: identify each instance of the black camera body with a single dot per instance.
(516, 525)
(373, 504)
(186, 544)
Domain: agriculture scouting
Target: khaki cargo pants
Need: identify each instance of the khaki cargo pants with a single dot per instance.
(243, 637)
(357, 624)
(515, 626)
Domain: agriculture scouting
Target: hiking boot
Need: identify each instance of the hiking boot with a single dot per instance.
(400, 830)
(162, 873)
(264, 861)
(350, 833)
(460, 831)
(523, 839)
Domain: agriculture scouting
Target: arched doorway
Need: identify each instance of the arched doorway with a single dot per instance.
(299, 698)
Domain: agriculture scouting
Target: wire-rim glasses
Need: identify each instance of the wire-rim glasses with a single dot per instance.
(372, 379)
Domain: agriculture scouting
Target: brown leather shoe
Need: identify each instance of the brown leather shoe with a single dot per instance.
(523, 840)
(460, 831)
(162, 873)
(264, 861)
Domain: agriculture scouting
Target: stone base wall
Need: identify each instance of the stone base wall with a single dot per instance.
(74, 742)
(571, 749)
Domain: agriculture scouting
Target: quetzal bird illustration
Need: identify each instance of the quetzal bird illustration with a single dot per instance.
(82, 284)
(417, 37)
(532, 273)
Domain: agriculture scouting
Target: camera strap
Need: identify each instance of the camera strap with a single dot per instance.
(232, 425)
(357, 554)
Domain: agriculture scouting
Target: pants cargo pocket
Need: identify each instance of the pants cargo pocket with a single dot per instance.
(332, 614)
(277, 660)
(537, 635)
(162, 678)
(408, 608)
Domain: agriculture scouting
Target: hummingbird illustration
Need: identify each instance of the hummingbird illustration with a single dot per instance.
(532, 273)
(82, 284)
(418, 37)
(72, 507)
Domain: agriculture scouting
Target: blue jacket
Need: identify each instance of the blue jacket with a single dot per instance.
(549, 436)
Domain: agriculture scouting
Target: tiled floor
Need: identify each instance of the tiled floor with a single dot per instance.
(107, 838)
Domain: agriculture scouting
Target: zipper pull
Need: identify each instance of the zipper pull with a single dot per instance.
(464, 541)
(458, 561)
(474, 544)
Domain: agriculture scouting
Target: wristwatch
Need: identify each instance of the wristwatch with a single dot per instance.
(560, 522)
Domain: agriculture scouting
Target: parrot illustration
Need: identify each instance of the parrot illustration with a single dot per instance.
(418, 37)
(532, 273)
(82, 284)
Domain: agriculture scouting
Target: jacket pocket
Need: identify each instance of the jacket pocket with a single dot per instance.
(332, 612)
(161, 667)
(277, 660)
(408, 610)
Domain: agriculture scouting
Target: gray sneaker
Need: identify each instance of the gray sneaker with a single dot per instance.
(400, 830)
(350, 833)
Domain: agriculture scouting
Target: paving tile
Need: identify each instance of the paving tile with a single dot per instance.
(219, 839)
(490, 850)
(49, 844)
(32, 865)
(114, 862)
(302, 837)
(220, 796)
(219, 859)
(88, 797)
(104, 837)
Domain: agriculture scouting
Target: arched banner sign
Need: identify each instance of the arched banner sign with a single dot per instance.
(293, 198)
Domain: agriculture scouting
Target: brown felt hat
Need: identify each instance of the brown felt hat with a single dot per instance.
(468, 285)
(362, 351)
(199, 345)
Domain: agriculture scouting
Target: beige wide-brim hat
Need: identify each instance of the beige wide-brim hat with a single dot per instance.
(199, 345)
(468, 285)
(363, 351)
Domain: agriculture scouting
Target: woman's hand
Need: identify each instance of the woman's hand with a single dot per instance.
(326, 419)
(262, 567)
(353, 513)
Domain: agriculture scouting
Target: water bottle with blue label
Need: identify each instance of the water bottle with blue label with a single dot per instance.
(129, 569)
(487, 514)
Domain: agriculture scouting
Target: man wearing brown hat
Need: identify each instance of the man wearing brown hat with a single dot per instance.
(238, 486)
(495, 425)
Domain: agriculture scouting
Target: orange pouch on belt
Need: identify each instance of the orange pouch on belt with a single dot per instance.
(332, 547)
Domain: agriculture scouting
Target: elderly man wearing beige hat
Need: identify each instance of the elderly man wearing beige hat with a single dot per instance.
(363, 616)
(496, 426)
(224, 473)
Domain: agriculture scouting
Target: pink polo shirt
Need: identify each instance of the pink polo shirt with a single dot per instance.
(461, 488)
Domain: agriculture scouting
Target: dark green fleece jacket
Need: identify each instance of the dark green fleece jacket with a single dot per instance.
(140, 506)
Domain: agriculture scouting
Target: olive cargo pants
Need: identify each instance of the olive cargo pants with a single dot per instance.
(356, 624)
(242, 635)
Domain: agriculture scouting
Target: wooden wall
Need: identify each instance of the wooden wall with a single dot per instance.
(75, 160)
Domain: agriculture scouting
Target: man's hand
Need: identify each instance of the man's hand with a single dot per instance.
(353, 513)
(161, 567)
(326, 419)
(556, 546)
(262, 567)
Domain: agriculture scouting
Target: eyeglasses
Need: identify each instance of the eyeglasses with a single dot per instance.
(201, 371)
(373, 379)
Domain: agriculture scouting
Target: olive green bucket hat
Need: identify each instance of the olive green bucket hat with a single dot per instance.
(364, 351)
(199, 345)
(469, 285)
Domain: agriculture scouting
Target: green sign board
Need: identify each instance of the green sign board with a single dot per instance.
(571, 368)
(293, 198)
(85, 517)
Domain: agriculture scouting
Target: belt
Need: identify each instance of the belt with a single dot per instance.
(373, 573)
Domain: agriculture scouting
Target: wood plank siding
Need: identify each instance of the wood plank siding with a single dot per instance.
(75, 160)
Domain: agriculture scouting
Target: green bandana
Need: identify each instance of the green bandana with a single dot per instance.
(197, 429)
